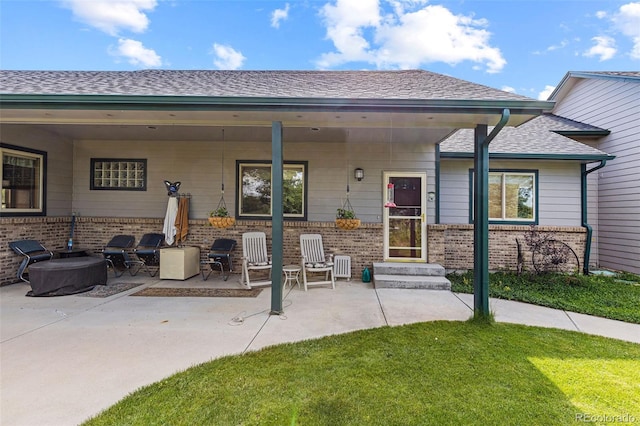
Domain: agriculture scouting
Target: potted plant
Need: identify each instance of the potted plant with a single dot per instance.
(346, 219)
(220, 218)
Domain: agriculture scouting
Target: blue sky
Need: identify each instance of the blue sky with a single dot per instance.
(521, 46)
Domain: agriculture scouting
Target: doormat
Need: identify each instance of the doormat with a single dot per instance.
(197, 292)
(109, 289)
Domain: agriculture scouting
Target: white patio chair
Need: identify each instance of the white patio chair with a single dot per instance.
(254, 258)
(315, 261)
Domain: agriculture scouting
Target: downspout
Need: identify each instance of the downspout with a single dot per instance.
(481, 215)
(587, 246)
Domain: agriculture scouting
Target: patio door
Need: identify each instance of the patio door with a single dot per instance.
(405, 225)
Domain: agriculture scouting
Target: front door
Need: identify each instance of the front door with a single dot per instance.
(405, 225)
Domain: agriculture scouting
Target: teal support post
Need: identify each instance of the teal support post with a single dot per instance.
(481, 215)
(481, 223)
(277, 220)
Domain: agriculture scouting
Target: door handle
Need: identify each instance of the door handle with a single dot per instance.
(422, 217)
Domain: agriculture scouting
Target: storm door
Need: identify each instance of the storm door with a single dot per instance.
(405, 224)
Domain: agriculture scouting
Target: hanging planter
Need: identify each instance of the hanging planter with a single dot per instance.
(219, 218)
(346, 217)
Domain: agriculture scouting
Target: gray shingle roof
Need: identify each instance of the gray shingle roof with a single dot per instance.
(537, 136)
(409, 84)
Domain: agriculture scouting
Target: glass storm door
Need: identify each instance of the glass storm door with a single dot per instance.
(405, 225)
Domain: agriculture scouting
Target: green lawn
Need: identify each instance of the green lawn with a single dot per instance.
(616, 297)
(440, 373)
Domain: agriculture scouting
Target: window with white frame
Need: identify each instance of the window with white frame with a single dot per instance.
(254, 189)
(512, 196)
(23, 173)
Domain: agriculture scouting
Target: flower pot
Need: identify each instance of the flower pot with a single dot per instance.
(222, 222)
(348, 223)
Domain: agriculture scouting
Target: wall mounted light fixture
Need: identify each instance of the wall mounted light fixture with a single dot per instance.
(431, 195)
(358, 174)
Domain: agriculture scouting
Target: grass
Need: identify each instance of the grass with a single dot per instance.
(615, 297)
(444, 373)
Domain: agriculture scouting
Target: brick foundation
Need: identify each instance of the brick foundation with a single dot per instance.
(448, 245)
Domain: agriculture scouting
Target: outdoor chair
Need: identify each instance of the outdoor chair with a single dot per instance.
(254, 257)
(219, 255)
(116, 255)
(148, 253)
(32, 251)
(314, 261)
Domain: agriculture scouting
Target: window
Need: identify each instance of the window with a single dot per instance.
(119, 174)
(23, 180)
(254, 190)
(512, 196)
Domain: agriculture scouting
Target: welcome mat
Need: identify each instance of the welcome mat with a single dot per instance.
(197, 292)
(109, 289)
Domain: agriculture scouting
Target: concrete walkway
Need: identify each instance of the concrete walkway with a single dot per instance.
(64, 359)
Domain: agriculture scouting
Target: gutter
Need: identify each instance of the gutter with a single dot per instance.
(587, 249)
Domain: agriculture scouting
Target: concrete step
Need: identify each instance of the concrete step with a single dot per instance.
(416, 269)
(411, 281)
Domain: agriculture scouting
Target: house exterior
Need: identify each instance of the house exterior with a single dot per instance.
(535, 179)
(100, 145)
(610, 100)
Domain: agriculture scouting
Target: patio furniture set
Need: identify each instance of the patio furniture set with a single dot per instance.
(74, 271)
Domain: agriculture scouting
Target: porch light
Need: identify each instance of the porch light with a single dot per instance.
(358, 174)
(390, 196)
(431, 195)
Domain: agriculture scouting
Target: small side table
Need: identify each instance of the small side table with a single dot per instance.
(291, 275)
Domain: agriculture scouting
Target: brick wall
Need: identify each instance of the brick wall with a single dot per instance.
(364, 245)
(448, 245)
(452, 245)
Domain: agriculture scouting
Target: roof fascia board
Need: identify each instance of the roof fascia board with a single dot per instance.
(528, 156)
(107, 102)
(586, 133)
(586, 74)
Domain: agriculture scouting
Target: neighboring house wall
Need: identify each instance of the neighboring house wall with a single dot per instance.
(613, 104)
(59, 163)
(558, 192)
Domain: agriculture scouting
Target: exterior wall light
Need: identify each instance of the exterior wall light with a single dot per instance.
(431, 195)
(358, 174)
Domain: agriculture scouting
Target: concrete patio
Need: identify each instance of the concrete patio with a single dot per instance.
(64, 359)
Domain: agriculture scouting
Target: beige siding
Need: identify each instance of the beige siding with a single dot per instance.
(59, 163)
(558, 192)
(197, 165)
(613, 105)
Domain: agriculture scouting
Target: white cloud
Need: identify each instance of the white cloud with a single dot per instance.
(508, 89)
(279, 15)
(561, 45)
(112, 16)
(544, 95)
(601, 14)
(627, 21)
(411, 35)
(227, 58)
(136, 53)
(604, 48)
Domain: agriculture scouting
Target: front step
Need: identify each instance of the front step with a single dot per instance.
(411, 281)
(429, 276)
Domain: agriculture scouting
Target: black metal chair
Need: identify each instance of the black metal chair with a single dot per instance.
(116, 255)
(148, 253)
(219, 255)
(32, 251)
